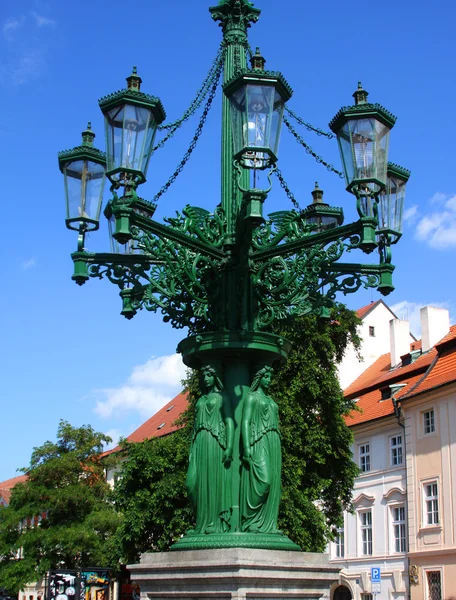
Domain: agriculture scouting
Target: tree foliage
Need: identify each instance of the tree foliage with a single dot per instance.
(318, 472)
(61, 516)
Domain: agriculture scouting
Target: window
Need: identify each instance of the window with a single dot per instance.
(371, 331)
(431, 503)
(396, 450)
(366, 597)
(340, 543)
(429, 421)
(366, 531)
(386, 393)
(434, 584)
(398, 513)
(364, 458)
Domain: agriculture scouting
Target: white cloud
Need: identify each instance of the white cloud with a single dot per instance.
(411, 214)
(28, 68)
(9, 26)
(438, 228)
(43, 21)
(410, 311)
(149, 387)
(115, 435)
(29, 263)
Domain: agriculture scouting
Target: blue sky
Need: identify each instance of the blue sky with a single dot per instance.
(67, 353)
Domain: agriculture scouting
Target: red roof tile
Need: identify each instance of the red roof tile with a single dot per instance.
(10, 483)
(443, 368)
(432, 369)
(362, 312)
(160, 424)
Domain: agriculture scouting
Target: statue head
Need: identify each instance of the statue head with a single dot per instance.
(258, 377)
(207, 375)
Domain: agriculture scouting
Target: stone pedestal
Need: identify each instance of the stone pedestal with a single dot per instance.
(234, 573)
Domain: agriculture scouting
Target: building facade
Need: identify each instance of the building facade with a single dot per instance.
(403, 519)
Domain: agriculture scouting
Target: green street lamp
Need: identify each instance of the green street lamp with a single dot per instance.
(230, 275)
(320, 215)
(363, 135)
(83, 169)
(257, 100)
(131, 120)
(391, 203)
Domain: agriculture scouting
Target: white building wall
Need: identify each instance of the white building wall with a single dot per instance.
(373, 346)
(378, 490)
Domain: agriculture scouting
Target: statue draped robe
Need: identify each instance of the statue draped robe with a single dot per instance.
(207, 475)
(261, 481)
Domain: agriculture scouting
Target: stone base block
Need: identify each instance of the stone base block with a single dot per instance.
(234, 573)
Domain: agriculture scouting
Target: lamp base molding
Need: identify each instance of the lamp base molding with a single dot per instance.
(234, 573)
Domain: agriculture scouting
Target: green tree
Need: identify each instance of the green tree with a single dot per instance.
(318, 471)
(61, 516)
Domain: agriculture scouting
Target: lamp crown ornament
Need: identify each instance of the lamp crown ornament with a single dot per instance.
(134, 81)
(257, 61)
(317, 194)
(88, 136)
(360, 95)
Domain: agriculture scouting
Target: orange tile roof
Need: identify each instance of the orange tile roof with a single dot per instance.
(362, 312)
(442, 370)
(371, 406)
(432, 369)
(10, 483)
(160, 424)
(7, 486)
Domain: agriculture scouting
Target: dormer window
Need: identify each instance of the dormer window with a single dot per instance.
(170, 407)
(162, 425)
(386, 393)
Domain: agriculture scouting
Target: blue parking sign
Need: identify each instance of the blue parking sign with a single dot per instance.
(375, 574)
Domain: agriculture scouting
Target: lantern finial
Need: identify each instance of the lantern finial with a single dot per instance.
(88, 136)
(360, 95)
(257, 61)
(134, 80)
(317, 194)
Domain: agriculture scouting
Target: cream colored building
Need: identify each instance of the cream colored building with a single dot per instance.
(429, 413)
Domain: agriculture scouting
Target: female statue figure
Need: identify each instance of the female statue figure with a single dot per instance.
(260, 483)
(210, 455)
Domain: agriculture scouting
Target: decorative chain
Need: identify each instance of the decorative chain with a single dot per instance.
(198, 132)
(288, 192)
(214, 73)
(308, 126)
(309, 150)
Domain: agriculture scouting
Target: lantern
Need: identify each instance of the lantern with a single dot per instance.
(83, 168)
(391, 203)
(131, 121)
(257, 99)
(363, 135)
(320, 214)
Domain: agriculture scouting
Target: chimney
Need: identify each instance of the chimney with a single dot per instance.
(435, 324)
(399, 340)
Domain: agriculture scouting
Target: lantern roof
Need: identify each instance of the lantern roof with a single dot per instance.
(85, 151)
(133, 95)
(394, 170)
(257, 74)
(321, 208)
(361, 109)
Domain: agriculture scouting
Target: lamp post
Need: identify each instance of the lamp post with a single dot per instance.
(229, 275)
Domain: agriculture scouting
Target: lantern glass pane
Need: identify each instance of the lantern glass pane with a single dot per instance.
(130, 132)
(129, 248)
(363, 145)
(84, 183)
(322, 222)
(392, 205)
(256, 116)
